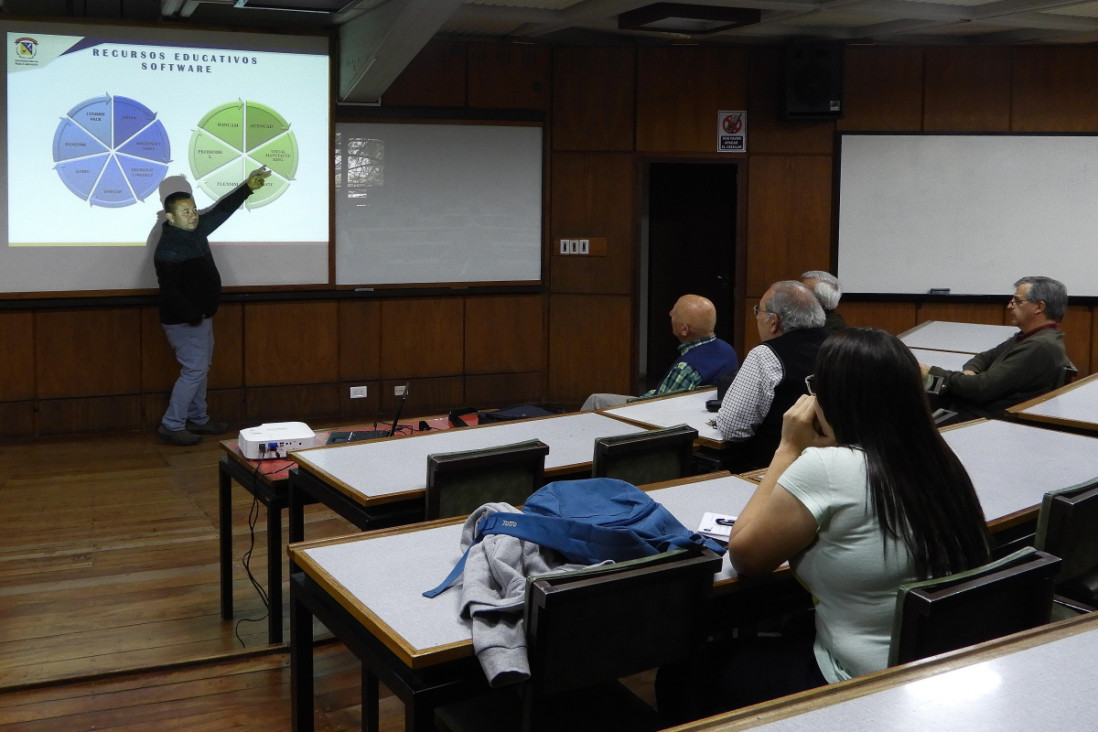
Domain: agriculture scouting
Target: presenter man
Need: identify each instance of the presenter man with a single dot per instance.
(702, 356)
(1025, 366)
(190, 292)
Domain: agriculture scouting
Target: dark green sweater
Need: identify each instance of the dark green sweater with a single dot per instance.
(1012, 372)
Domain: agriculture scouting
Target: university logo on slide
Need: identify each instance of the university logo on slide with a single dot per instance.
(25, 48)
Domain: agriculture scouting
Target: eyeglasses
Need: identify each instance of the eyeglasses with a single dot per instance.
(758, 310)
(1016, 301)
(809, 383)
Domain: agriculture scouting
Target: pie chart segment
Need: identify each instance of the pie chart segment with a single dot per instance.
(226, 123)
(209, 153)
(111, 151)
(80, 175)
(113, 188)
(94, 115)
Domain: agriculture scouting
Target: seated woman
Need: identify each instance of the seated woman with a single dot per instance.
(862, 495)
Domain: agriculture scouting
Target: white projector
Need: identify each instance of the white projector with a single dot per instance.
(275, 440)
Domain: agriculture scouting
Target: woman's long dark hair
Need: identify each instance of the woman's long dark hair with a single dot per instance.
(871, 392)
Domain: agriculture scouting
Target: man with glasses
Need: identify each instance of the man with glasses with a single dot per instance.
(1031, 363)
(790, 321)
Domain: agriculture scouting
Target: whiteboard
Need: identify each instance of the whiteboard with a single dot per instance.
(438, 203)
(972, 213)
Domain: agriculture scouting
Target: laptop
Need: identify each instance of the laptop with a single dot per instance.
(339, 438)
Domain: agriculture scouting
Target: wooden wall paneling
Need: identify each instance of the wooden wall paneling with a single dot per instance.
(17, 345)
(89, 414)
(680, 90)
(159, 369)
(788, 218)
(87, 352)
(422, 337)
(1055, 89)
(504, 334)
(502, 390)
(1078, 337)
(593, 195)
(967, 89)
(766, 132)
(509, 76)
(434, 78)
(309, 403)
(227, 371)
(17, 419)
(987, 314)
(359, 339)
(1093, 344)
(883, 89)
(593, 98)
(590, 346)
(290, 343)
(894, 317)
(426, 397)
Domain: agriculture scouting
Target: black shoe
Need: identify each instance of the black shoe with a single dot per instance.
(209, 428)
(178, 437)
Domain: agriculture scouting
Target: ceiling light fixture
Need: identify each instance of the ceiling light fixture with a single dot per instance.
(688, 19)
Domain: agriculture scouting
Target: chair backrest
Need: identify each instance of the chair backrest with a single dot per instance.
(1067, 527)
(460, 482)
(645, 457)
(1006, 596)
(595, 625)
(1068, 375)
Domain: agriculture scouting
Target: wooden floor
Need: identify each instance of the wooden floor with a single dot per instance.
(109, 606)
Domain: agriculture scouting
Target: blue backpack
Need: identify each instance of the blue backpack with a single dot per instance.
(590, 521)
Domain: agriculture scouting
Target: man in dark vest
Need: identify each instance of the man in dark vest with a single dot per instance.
(771, 378)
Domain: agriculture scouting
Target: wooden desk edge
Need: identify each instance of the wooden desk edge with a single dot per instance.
(825, 696)
(409, 656)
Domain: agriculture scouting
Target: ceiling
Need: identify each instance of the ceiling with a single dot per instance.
(379, 37)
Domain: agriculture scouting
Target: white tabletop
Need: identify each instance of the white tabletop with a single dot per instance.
(384, 467)
(387, 575)
(1013, 465)
(688, 408)
(1075, 403)
(1043, 687)
(944, 335)
(948, 360)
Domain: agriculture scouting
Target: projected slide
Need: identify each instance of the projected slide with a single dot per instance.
(111, 151)
(100, 128)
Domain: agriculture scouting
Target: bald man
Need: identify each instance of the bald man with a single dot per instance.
(702, 356)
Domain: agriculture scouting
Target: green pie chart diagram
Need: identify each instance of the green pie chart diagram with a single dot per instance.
(235, 139)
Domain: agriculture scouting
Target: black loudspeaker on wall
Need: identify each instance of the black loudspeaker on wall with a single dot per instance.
(813, 81)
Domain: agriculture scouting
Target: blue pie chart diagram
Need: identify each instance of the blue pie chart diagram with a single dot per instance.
(111, 151)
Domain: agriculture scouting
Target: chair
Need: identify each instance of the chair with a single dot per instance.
(587, 629)
(1067, 527)
(460, 482)
(645, 457)
(1006, 596)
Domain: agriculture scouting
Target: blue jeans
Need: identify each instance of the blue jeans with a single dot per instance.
(193, 346)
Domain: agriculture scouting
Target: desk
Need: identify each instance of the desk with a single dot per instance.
(944, 335)
(688, 408)
(1074, 405)
(948, 360)
(1040, 679)
(419, 647)
(380, 483)
(268, 481)
(1013, 465)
